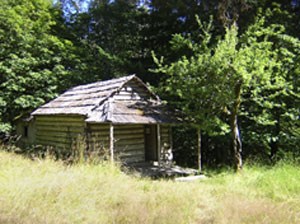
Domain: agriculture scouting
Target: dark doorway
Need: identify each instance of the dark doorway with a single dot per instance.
(150, 143)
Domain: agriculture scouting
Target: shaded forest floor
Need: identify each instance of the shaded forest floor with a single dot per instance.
(45, 191)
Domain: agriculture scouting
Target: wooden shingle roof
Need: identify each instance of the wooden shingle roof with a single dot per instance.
(97, 102)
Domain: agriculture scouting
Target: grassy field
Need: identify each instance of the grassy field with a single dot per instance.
(44, 191)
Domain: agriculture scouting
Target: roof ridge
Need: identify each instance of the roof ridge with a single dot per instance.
(103, 82)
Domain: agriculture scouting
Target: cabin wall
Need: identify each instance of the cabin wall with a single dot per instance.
(129, 139)
(98, 138)
(59, 131)
(129, 143)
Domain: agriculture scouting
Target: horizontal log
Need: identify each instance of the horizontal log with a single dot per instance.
(129, 136)
(125, 127)
(59, 134)
(133, 155)
(98, 127)
(54, 135)
(124, 142)
(57, 138)
(129, 148)
(97, 140)
(98, 134)
(60, 118)
(51, 139)
(60, 124)
(98, 137)
(60, 129)
(54, 144)
(128, 131)
(57, 144)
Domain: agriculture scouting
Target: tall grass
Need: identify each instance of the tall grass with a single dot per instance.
(258, 195)
(44, 191)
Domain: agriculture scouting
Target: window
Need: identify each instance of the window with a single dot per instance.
(25, 131)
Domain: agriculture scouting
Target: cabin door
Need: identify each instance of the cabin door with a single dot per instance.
(151, 153)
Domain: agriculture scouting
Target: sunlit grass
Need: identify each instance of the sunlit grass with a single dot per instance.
(44, 191)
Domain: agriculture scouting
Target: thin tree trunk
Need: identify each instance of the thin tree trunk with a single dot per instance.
(236, 139)
(274, 143)
(199, 150)
(237, 143)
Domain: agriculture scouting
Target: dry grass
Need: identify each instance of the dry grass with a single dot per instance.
(240, 209)
(50, 192)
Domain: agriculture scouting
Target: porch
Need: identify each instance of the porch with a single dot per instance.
(155, 171)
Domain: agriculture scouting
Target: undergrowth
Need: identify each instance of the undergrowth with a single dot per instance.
(47, 191)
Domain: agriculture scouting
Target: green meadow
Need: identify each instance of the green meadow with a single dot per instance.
(48, 191)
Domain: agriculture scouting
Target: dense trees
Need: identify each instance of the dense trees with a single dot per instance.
(241, 65)
(32, 62)
(219, 79)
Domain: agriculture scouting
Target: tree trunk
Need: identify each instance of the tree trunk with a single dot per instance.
(199, 150)
(236, 139)
(274, 146)
(236, 143)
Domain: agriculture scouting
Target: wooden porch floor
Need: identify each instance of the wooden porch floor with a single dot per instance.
(154, 171)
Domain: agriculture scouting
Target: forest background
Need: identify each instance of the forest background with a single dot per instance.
(231, 66)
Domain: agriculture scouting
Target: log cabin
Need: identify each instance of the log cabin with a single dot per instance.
(122, 116)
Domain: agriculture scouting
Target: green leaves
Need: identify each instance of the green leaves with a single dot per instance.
(252, 69)
(32, 59)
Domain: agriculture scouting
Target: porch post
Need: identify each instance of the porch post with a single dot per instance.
(111, 142)
(199, 149)
(158, 143)
(171, 138)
